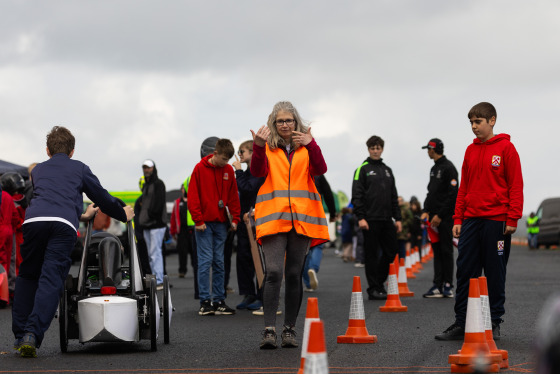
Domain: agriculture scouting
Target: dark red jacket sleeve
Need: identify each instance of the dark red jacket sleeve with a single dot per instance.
(259, 161)
(317, 164)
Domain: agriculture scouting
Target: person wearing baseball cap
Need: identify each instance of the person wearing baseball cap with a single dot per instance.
(153, 217)
(438, 211)
(435, 144)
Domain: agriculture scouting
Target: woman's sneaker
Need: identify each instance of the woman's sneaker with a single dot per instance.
(269, 339)
(289, 338)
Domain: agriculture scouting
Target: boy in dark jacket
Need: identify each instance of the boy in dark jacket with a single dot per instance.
(212, 192)
(375, 201)
(49, 235)
(489, 204)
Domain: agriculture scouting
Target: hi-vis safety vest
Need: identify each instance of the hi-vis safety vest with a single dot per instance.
(532, 227)
(190, 222)
(288, 198)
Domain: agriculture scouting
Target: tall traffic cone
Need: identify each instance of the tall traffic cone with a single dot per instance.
(474, 346)
(396, 261)
(316, 362)
(311, 315)
(357, 331)
(393, 303)
(419, 265)
(409, 272)
(403, 282)
(485, 302)
(424, 254)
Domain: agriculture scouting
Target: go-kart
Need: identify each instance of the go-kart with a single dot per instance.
(110, 300)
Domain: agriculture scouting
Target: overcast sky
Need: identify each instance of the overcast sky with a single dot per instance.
(152, 79)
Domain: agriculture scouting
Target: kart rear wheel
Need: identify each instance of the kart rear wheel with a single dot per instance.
(153, 311)
(166, 309)
(63, 321)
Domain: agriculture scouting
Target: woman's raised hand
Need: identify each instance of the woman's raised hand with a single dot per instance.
(261, 136)
(302, 138)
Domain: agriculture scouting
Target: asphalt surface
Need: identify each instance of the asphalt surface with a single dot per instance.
(230, 344)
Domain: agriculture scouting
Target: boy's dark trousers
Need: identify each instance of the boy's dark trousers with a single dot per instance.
(482, 245)
(443, 254)
(46, 261)
(380, 248)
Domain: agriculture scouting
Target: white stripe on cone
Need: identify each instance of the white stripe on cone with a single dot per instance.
(357, 306)
(316, 363)
(306, 328)
(474, 316)
(392, 286)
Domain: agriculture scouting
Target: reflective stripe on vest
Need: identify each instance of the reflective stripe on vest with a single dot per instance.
(289, 199)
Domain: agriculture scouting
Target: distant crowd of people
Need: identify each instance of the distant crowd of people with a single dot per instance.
(275, 208)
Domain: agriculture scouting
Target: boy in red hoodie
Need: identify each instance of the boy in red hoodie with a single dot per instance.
(212, 192)
(489, 203)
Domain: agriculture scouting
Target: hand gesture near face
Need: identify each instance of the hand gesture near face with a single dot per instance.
(302, 138)
(261, 136)
(236, 164)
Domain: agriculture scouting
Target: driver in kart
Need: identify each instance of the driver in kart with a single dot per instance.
(49, 234)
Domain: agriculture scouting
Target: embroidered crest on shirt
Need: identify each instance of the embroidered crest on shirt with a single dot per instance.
(500, 247)
(496, 161)
(387, 173)
(370, 173)
(226, 176)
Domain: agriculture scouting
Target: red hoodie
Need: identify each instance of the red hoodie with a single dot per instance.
(491, 182)
(209, 184)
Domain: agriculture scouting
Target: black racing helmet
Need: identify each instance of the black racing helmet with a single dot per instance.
(12, 182)
(208, 146)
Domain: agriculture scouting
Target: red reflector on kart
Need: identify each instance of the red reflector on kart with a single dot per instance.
(108, 290)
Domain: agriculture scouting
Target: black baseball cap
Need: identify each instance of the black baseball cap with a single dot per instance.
(436, 144)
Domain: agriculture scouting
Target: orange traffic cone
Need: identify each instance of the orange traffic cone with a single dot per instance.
(393, 303)
(409, 272)
(396, 261)
(474, 346)
(357, 331)
(419, 265)
(403, 282)
(316, 362)
(311, 315)
(424, 254)
(485, 302)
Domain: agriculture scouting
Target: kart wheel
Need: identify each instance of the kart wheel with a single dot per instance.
(166, 309)
(63, 322)
(153, 311)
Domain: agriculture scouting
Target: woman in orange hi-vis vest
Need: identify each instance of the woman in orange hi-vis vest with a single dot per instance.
(288, 213)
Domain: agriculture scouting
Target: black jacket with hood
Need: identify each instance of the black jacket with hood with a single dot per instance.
(153, 213)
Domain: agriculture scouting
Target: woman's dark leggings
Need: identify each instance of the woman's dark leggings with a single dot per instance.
(294, 248)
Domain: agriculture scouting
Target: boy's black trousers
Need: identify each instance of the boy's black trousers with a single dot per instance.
(482, 246)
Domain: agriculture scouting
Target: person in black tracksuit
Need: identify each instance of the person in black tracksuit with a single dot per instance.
(439, 207)
(375, 201)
